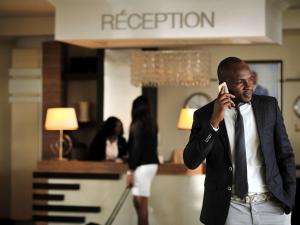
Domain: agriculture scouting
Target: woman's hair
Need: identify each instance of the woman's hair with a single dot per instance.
(109, 126)
(141, 112)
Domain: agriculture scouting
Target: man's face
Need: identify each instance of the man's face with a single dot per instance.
(240, 82)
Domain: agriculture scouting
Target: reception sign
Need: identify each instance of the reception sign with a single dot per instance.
(141, 22)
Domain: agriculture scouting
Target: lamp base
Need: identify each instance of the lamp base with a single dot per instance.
(60, 151)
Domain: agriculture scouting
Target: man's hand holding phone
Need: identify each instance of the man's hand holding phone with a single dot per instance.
(223, 101)
(223, 87)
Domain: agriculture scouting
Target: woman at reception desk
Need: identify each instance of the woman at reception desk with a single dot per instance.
(109, 143)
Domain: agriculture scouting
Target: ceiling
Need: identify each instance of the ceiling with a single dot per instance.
(24, 8)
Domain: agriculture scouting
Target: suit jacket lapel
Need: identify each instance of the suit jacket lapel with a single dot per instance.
(224, 137)
(259, 116)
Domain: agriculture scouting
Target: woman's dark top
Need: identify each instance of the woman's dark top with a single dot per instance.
(97, 150)
(142, 146)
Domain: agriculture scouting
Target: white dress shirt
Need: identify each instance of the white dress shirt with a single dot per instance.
(255, 165)
(111, 150)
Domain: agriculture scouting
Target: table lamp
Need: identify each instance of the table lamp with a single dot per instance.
(185, 120)
(61, 119)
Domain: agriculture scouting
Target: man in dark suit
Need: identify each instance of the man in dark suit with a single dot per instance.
(250, 168)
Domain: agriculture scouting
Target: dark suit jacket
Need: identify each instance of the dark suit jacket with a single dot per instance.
(277, 154)
(98, 147)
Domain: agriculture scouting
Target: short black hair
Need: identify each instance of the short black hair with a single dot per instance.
(109, 127)
(225, 66)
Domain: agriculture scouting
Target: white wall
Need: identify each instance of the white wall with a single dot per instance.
(119, 93)
(25, 151)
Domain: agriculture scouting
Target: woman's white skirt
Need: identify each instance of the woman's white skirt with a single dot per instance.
(143, 176)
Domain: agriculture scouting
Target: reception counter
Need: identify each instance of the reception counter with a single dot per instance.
(80, 192)
(74, 166)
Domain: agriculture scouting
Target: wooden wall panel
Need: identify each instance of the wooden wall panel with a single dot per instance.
(52, 89)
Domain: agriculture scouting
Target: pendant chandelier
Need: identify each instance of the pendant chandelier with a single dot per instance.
(170, 68)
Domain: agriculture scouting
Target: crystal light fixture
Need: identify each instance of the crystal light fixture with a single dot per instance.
(170, 68)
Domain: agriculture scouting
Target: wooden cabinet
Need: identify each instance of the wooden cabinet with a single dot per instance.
(77, 76)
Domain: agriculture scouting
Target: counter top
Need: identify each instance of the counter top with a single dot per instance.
(87, 167)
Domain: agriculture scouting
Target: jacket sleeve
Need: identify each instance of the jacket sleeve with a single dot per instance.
(200, 142)
(285, 157)
(122, 146)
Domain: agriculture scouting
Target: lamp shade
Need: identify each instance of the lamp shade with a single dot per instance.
(185, 120)
(61, 119)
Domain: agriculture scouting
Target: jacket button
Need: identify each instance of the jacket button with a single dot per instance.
(230, 168)
(229, 188)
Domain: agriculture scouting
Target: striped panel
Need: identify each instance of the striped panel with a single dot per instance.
(96, 176)
(53, 197)
(62, 219)
(67, 208)
(56, 186)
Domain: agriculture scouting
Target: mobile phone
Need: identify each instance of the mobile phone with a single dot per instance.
(225, 87)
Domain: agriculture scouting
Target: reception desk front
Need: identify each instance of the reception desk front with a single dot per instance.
(82, 192)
